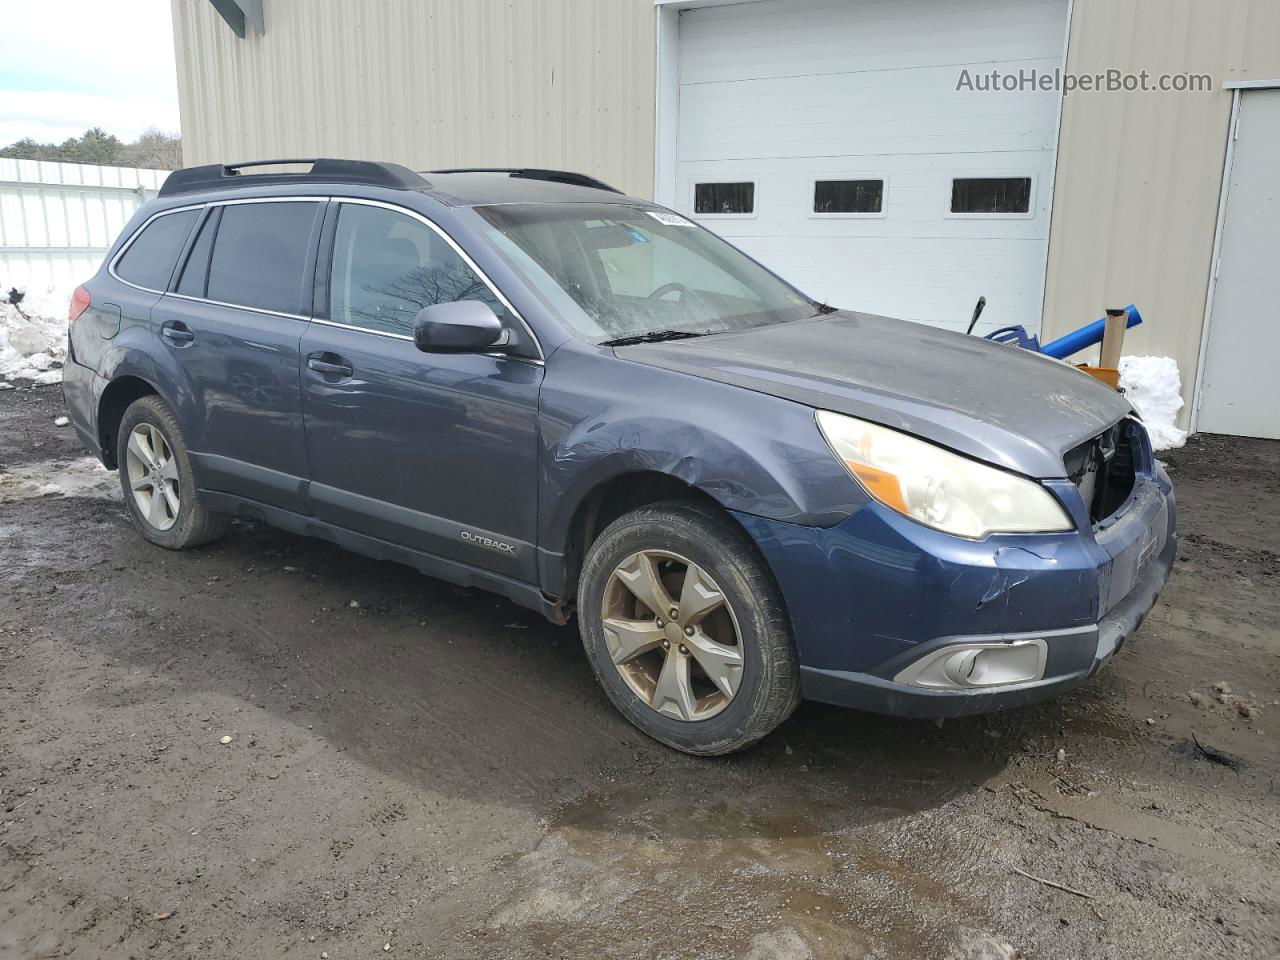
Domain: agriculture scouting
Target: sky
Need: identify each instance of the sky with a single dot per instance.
(69, 65)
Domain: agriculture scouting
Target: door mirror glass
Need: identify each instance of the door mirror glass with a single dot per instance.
(463, 326)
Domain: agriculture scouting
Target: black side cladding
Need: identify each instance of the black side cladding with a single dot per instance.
(221, 176)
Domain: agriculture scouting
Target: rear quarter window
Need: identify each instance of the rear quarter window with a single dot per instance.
(148, 260)
(260, 255)
(195, 275)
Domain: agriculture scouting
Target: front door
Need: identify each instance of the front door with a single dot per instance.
(437, 452)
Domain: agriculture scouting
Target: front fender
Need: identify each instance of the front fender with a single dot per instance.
(603, 417)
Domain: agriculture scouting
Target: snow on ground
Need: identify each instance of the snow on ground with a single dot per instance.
(31, 347)
(1153, 386)
(85, 477)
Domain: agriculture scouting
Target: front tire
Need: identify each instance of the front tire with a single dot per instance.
(685, 629)
(157, 480)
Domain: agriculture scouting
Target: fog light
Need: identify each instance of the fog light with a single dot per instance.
(963, 666)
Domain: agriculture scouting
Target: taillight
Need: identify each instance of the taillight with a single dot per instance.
(80, 301)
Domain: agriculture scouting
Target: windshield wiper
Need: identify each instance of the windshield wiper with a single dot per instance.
(655, 336)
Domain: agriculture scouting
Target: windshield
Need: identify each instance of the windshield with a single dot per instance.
(614, 271)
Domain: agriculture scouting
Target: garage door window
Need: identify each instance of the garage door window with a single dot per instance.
(991, 196)
(724, 199)
(848, 198)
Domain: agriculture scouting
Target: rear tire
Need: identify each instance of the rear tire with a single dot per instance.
(717, 670)
(157, 480)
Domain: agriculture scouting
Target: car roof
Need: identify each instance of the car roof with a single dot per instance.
(473, 189)
(461, 188)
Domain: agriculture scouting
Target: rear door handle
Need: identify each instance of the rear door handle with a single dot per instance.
(175, 331)
(330, 368)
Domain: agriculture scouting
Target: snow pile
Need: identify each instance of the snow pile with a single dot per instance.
(1153, 386)
(33, 347)
(86, 477)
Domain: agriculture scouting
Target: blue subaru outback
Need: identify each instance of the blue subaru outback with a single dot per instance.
(524, 381)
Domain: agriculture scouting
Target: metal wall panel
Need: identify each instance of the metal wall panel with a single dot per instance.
(1139, 174)
(426, 83)
(58, 219)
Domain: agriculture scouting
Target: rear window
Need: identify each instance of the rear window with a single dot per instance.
(260, 255)
(148, 261)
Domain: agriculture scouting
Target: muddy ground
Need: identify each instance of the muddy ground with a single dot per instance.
(421, 771)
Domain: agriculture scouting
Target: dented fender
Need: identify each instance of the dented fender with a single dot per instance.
(602, 417)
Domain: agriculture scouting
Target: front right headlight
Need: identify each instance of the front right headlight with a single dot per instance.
(936, 487)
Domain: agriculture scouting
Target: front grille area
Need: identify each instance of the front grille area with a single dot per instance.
(1103, 469)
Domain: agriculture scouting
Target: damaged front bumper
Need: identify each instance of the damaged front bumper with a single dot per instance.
(885, 611)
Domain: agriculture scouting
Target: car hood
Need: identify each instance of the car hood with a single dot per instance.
(1009, 407)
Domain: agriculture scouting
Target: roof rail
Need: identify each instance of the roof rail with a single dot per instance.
(221, 176)
(536, 173)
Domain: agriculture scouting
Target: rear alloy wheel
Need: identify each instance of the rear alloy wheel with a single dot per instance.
(685, 630)
(153, 476)
(156, 478)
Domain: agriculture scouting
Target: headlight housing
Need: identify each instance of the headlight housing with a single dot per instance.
(940, 489)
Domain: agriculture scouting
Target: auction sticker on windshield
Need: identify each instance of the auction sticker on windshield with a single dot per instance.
(670, 219)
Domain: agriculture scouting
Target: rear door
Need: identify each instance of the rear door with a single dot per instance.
(232, 325)
(437, 452)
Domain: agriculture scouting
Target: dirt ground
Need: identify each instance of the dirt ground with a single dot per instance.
(416, 770)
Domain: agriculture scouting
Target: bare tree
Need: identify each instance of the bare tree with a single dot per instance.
(400, 299)
(156, 149)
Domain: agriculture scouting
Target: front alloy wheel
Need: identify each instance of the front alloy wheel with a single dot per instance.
(672, 635)
(684, 627)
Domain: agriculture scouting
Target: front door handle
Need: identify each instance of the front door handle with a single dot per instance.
(330, 368)
(176, 332)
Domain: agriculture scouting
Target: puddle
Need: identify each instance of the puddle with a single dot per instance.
(85, 477)
(774, 865)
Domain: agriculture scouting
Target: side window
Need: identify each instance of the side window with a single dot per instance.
(260, 255)
(149, 260)
(195, 275)
(387, 266)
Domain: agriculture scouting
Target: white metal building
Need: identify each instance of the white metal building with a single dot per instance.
(58, 219)
(832, 139)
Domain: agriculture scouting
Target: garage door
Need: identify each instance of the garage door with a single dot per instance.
(830, 141)
(1240, 393)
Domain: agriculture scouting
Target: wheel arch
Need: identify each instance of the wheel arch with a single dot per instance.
(608, 499)
(119, 394)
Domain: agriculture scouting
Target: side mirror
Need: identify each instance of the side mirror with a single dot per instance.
(463, 326)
